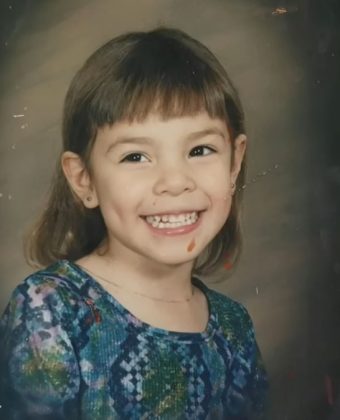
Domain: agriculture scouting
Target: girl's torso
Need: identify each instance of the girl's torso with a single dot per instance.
(98, 360)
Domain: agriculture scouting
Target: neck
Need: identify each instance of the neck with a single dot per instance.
(147, 277)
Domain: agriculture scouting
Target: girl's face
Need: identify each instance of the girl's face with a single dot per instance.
(179, 168)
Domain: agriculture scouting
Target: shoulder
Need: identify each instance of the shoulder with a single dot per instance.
(227, 306)
(232, 317)
(52, 289)
(53, 280)
(38, 362)
(229, 310)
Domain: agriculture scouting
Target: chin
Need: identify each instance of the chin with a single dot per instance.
(175, 260)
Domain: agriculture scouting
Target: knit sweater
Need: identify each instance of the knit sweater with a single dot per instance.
(70, 350)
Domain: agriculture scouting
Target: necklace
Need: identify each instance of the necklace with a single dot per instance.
(112, 283)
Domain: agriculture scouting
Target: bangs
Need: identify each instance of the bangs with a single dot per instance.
(170, 100)
(159, 75)
(163, 71)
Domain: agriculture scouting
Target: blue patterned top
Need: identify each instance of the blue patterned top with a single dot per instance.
(70, 350)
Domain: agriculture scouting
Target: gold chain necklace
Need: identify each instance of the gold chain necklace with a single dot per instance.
(136, 293)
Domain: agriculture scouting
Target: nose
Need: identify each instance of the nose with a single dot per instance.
(174, 179)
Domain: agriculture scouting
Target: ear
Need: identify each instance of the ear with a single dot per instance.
(240, 145)
(79, 179)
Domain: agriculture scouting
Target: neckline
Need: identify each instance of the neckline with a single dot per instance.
(142, 327)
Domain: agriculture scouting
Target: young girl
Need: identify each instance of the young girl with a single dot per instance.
(145, 200)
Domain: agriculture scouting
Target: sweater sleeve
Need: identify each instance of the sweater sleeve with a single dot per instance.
(39, 372)
(258, 386)
(257, 379)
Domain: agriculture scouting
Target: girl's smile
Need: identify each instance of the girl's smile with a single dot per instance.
(174, 223)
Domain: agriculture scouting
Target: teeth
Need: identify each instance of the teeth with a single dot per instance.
(172, 221)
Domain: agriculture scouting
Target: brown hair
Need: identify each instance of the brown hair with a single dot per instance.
(163, 70)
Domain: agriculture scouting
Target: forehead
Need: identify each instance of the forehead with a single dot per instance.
(154, 126)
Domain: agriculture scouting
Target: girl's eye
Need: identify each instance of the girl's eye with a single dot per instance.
(133, 157)
(199, 151)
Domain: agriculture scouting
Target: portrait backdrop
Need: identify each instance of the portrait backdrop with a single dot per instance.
(284, 57)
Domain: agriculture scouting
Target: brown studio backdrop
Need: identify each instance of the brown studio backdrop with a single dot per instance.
(284, 58)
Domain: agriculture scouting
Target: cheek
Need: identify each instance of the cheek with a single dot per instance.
(227, 206)
(221, 199)
(216, 176)
(119, 200)
(223, 211)
(219, 189)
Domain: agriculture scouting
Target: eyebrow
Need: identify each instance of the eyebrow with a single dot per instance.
(148, 140)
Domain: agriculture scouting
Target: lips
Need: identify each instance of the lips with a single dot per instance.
(173, 212)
